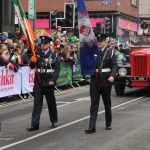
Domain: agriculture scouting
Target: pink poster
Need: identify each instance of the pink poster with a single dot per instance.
(40, 23)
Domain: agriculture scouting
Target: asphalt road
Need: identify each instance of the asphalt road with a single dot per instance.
(130, 127)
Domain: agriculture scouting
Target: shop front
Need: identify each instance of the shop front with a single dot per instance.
(126, 29)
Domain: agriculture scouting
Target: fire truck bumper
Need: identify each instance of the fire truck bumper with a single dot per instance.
(132, 81)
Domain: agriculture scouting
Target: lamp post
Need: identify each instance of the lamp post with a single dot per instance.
(34, 22)
(32, 12)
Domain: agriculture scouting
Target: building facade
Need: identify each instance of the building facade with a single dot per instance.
(124, 15)
(6, 16)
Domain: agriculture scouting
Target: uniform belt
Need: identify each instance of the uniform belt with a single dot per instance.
(47, 71)
(104, 70)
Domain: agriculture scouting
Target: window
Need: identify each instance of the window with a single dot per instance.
(133, 2)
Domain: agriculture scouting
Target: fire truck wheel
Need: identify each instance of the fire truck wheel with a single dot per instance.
(119, 89)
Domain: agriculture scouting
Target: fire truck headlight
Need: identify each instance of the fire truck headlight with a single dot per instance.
(122, 71)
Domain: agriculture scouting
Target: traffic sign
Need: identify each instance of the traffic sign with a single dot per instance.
(105, 2)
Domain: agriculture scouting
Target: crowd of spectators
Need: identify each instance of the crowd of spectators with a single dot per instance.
(16, 51)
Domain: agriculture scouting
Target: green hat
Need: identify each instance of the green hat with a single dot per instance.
(74, 39)
(53, 36)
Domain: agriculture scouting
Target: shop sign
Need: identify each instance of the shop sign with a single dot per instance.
(31, 9)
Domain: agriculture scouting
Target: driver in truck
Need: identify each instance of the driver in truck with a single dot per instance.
(144, 41)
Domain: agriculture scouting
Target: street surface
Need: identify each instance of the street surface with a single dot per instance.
(130, 127)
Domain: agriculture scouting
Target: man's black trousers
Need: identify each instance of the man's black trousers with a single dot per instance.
(95, 92)
(38, 93)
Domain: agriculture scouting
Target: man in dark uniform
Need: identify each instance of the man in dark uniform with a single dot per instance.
(48, 68)
(101, 83)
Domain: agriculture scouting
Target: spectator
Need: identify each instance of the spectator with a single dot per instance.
(3, 37)
(38, 34)
(58, 33)
(64, 41)
(5, 33)
(57, 43)
(17, 34)
(59, 52)
(26, 57)
(73, 53)
(5, 51)
(64, 34)
(69, 34)
(17, 56)
(66, 53)
(3, 62)
(20, 45)
(52, 46)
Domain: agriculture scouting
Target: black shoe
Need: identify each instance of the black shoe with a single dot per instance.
(108, 127)
(33, 128)
(91, 130)
(54, 125)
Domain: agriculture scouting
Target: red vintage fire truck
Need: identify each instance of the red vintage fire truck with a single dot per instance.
(135, 73)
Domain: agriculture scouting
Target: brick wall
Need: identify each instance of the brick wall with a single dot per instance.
(92, 5)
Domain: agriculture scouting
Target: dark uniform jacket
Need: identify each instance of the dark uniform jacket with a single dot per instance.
(110, 62)
(43, 62)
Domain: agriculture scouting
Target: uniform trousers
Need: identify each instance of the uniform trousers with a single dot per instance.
(95, 92)
(38, 92)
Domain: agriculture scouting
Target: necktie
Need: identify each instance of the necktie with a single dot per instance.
(100, 51)
(43, 53)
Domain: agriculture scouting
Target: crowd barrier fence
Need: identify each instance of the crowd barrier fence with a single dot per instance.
(21, 82)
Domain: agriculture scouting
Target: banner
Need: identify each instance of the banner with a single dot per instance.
(65, 75)
(27, 79)
(77, 71)
(10, 82)
(31, 10)
(14, 83)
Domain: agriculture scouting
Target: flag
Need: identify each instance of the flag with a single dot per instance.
(88, 43)
(26, 28)
(19, 15)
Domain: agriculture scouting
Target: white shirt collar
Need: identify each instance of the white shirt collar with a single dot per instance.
(45, 51)
(102, 48)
